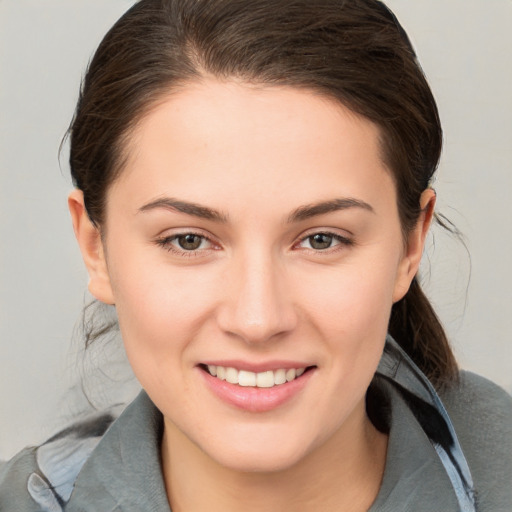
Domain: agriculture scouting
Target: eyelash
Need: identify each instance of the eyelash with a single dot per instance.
(343, 242)
(166, 243)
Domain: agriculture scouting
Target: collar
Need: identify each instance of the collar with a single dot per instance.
(124, 471)
(414, 402)
(425, 464)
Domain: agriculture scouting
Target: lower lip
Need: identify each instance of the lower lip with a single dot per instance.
(254, 399)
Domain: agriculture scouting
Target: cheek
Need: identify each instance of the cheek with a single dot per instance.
(355, 297)
(160, 308)
(350, 312)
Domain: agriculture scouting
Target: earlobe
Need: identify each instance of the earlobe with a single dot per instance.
(411, 260)
(91, 246)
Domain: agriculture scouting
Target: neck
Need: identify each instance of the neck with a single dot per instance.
(344, 473)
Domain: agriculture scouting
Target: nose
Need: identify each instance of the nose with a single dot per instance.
(257, 305)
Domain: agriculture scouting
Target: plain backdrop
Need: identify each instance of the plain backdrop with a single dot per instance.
(465, 47)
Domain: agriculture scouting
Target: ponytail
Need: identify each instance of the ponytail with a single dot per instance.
(416, 327)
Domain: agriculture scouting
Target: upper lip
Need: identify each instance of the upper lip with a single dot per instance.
(257, 367)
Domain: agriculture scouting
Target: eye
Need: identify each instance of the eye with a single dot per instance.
(190, 241)
(186, 244)
(320, 241)
(324, 241)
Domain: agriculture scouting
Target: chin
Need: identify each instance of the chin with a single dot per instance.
(261, 448)
(259, 460)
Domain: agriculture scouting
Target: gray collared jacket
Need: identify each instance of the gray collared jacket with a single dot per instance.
(445, 453)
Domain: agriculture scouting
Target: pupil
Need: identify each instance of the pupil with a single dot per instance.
(189, 242)
(320, 241)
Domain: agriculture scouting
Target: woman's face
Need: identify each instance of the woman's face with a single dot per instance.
(256, 229)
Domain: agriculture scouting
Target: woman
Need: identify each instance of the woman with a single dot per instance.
(253, 195)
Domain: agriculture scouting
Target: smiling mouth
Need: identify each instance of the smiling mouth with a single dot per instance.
(266, 379)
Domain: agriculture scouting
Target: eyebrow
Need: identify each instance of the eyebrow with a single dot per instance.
(194, 209)
(312, 210)
(300, 214)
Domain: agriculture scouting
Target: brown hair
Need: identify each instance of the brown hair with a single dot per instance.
(353, 51)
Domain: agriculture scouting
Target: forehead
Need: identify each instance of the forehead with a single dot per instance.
(213, 139)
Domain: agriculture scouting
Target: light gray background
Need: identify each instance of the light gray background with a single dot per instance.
(465, 47)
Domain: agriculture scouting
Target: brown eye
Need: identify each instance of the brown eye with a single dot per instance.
(325, 241)
(320, 241)
(189, 242)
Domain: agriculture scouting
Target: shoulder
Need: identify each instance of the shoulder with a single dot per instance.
(41, 478)
(14, 476)
(471, 385)
(481, 413)
(476, 405)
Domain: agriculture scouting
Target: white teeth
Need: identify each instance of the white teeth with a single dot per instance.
(290, 374)
(231, 376)
(279, 377)
(266, 379)
(246, 378)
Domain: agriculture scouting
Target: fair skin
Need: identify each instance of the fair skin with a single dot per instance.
(293, 259)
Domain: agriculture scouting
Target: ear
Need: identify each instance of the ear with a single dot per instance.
(91, 246)
(411, 259)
